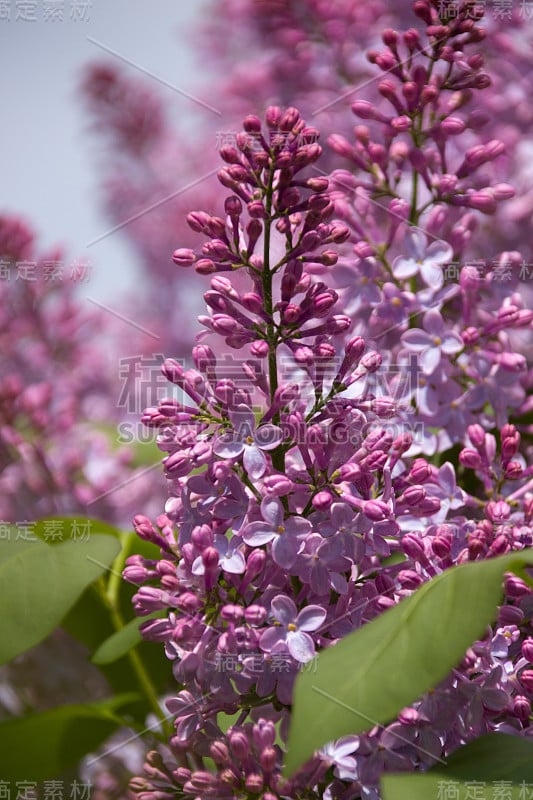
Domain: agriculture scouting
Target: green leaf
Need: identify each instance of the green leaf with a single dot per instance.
(42, 746)
(122, 641)
(369, 676)
(489, 761)
(41, 582)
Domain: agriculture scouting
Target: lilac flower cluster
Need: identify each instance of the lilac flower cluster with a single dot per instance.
(293, 477)
(54, 376)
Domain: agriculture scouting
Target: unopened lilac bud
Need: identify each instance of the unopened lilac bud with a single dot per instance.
(527, 649)
(515, 586)
(178, 464)
(205, 266)
(252, 124)
(411, 38)
(203, 357)
(255, 564)
(364, 109)
(476, 435)
(255, 615)
(210, 559)
(229, 154)
(259, 349)
(402, 443)
(413, 495)
(278, 485)
(447, 184)
(526, 679)
(233, 206)
(200, 781)
(289, 119)
(252, 302)
(452, 126)
(413, 547)
(173, 371)
(513, 470)
(510, 615)
(188, 602)
(254, 782)
(482, 201)
(376, 510)
(522, 708)
(239, 745)
(401, 123)
(256, 209)
(219, 753)
(441, 546)
(183, 257)
(273, 116)
(322, 500)
(420, 471)
(512, 362)
(410, 579)
(498, 510)
(268, 759)
(371, 361)
(231, 613)
(503, 191)
(354, 349)
(470, 458)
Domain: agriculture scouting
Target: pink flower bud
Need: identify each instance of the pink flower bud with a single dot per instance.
(219, 753)
(178, 464)
(371, 361)
(254, 782)
(522, 708)
(527, 649)
(413, 547)
(376, 510)
(322, 500)
(513, 470)
(401, 123)
(526, 679)
(510, 615)
(452, 126)
(476, 435)
(268, 760)
(513, 362)
(498, 510)
(255, 615)
(515, 586)
(278, 485)
(259, 349)
(239, 745)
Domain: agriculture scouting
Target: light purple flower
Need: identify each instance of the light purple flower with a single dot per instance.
(432, 342)
(230, 558)
(339, 754)
(247, 440)
(292, 628)
(419, 258)
(450, 495)
(285, 534)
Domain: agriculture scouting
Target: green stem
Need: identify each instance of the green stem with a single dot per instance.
(137, 665)
(278, 458)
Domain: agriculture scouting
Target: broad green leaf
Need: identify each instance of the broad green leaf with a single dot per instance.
(369, 676)
(500, 765)
(41, 582)
(122, 641)
(41, 746)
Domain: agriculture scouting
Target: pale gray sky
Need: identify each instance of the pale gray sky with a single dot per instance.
(48, 170)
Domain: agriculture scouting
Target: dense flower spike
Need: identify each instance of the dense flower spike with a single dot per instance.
(291, 458)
